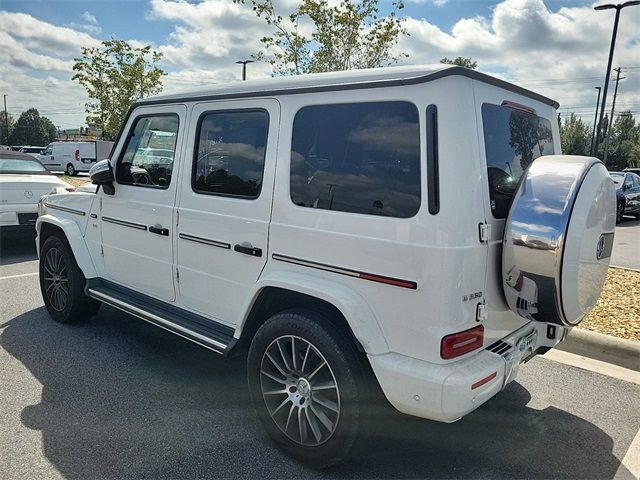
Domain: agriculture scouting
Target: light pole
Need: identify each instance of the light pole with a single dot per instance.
(6, 118)
(618, 7)
(595, 121)
(244, 66)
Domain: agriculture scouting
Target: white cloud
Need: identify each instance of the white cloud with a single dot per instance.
(437, 3)
(524, 42)
(561, 54)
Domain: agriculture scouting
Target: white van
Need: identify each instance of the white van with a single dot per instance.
(409, 230)
(74, 157)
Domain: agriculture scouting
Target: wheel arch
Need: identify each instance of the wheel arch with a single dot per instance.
(48, 225)
(346, 308)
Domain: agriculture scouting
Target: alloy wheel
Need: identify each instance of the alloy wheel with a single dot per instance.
(56, 279)
(300, 390)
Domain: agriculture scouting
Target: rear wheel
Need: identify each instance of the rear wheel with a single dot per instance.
(62, 283)
(308, 386)
(619, 212)
(71, 170)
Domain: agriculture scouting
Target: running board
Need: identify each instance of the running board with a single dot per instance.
(201, 330)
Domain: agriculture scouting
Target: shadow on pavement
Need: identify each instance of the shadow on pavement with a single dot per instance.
(628, 222)
(121, 398)
(17, 247)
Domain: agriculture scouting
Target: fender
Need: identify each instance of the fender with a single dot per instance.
(360, 317)
(75, 239)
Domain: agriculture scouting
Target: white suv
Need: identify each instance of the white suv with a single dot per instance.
(351, 232)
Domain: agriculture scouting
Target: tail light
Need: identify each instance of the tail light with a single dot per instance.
(70, 189)
(457, 344)
(77, 155)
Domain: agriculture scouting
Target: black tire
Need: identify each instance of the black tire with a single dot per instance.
(71, 170)
(345, 365)
(62, 283)
(619, 212)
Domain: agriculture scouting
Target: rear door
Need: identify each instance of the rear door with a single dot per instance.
(224, 205)
(513, 131)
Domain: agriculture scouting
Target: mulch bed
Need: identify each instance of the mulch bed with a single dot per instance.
(617, 312)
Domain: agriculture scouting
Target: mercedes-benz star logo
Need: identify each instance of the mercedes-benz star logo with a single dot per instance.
(600, 247)
(28, 193)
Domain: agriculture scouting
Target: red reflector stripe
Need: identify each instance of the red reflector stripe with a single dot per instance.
(486, 379)
(460, 343)
(388, 280)
(396, 282)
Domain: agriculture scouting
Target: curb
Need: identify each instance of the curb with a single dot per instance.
(618, 351)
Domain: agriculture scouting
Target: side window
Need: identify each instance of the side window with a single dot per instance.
(628, 181)
(148, 156)
(229, 156)
(636, 181)
(48, 150)
(359, 157)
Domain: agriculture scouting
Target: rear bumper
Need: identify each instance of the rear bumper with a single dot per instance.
(448, 392)
(18, 216)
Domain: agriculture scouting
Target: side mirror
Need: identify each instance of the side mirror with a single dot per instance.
(102, 174)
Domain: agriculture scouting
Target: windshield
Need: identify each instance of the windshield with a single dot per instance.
(513, 139)
(617, 178)
(21, 165)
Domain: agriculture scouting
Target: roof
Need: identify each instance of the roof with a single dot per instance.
(346, 80)
(16, 155)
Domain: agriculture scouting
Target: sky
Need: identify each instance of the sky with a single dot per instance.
(558, 48)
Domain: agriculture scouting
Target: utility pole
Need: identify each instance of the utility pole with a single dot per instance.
(613, 107)
(618, 7)
(595, 122)
(6, 118)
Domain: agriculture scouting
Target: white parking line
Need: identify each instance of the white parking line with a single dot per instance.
(593, 365)
(19, 276)
(631, 461)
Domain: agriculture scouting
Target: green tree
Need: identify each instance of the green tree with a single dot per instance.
(466, 62)
(4, 119)
(32, 129)
(624, 145)
(575, 136)
(346, 36)
(114, 76)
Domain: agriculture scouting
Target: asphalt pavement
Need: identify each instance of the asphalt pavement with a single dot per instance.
(626, 244)
(116, 397)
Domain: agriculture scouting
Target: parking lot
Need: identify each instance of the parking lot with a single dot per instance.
(116, 397)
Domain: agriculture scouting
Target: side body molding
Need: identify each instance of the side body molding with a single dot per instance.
(353, 306)
(75, 239)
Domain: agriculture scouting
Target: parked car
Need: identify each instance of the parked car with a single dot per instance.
(627, 194)
(23, 180)
(632, 170)
(31, 150)
(321, 225)
(74, 157)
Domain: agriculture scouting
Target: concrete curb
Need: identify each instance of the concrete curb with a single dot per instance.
(618, 351)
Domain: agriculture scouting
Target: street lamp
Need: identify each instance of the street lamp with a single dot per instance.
(595, 120)
(618, 7)
(244, 64)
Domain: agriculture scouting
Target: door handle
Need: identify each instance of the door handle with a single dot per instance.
(159, 231)
(254, 252)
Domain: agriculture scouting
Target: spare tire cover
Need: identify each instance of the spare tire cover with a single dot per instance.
(558, 239)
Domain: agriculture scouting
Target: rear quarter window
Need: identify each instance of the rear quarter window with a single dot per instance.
(513, 139)
(359, 158)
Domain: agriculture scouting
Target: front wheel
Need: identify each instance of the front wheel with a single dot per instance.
(308, 385)
(62, 283)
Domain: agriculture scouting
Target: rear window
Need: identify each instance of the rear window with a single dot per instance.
(513, 139)
(359, 157)
(20, 165)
